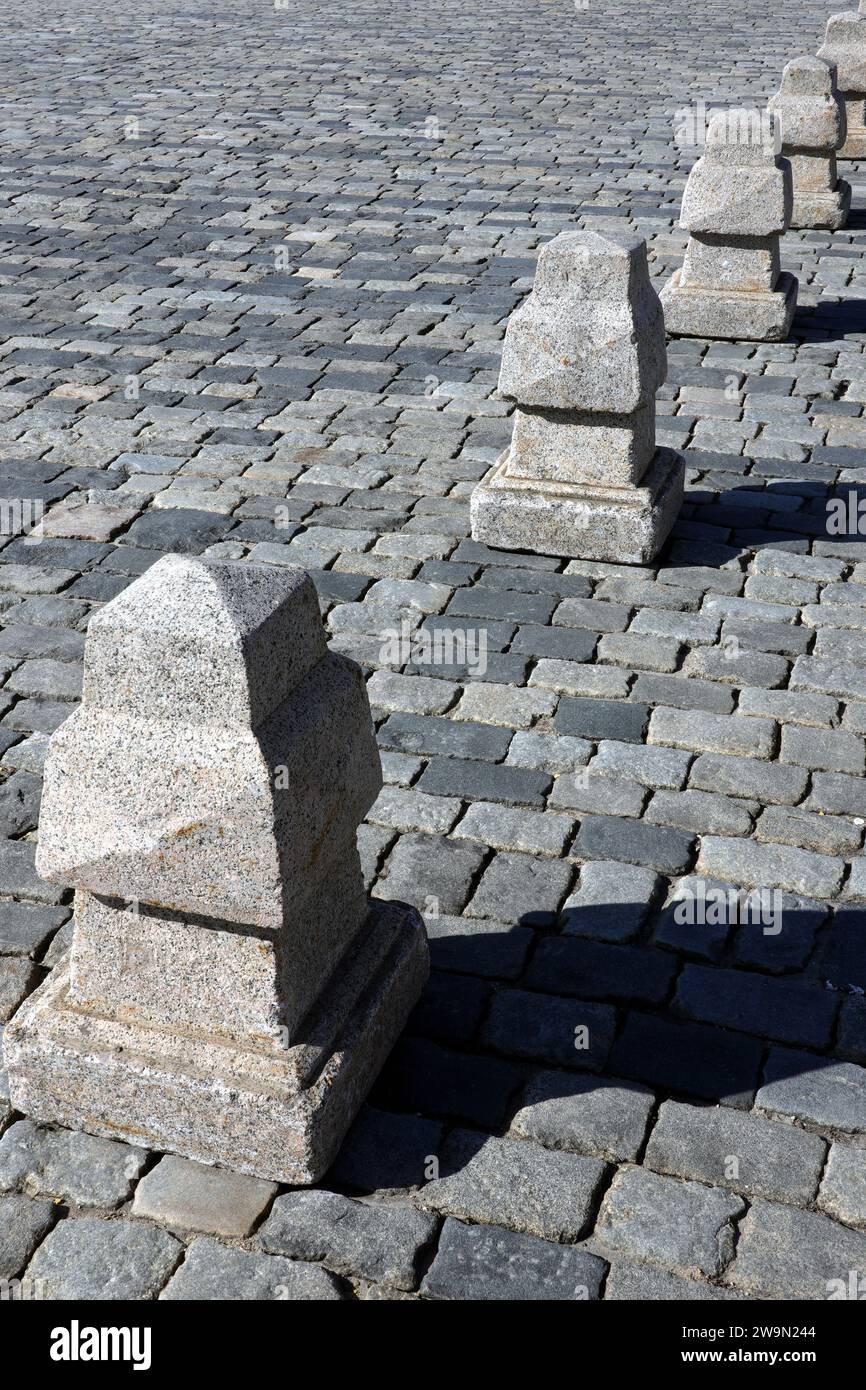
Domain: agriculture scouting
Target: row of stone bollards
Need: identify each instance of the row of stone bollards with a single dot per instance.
(230, 993)
(585, 354)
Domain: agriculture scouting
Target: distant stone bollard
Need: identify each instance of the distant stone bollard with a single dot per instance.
(811, 115)
(845, 47)
(583, 358)
(736, 204)
(231, 994)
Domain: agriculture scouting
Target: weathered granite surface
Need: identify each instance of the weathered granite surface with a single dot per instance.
(583, 358)
(845, 46)
(811, 116)
(237, 1009)
(737, 202)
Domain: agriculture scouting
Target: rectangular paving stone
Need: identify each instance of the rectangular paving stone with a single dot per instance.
(514, 1183)
(817, 1090)
(93, 1258)
(410, 733)
(602, 719)
(827, 751)
(195, 1197)
(770, 866)
(843, 1186)
(478, 946)
(655, 767)
(521, 888)
(781, 1009)
(489, 1263)
(505, 827)
(689, 1059)
(680, 1225)
(790, 825)
(587, 1115)
(676, 693)
(408, 809)
(381, 1242)
(567, 1032)
(829, 677)
(18, 877)
(700, 812)
(554, 753)
(213, 1272)
(599, 970)
(788, 707)
(837, 794)
(634, 842)
(612, 901)
(484, 781)
(63, 1163)
(748, 777)
(746, 1153)
(712, 733)
(787, 1253)
(430, 872)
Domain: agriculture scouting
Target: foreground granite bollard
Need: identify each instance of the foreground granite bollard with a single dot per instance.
(845, 47)
(811, 116)
(583, 358)
(231, 994)
(736, 203)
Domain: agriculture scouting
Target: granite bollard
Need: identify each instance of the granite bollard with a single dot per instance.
(736, 203)
(845, 47)
(583, 358)
(812, 120)
(230, 994)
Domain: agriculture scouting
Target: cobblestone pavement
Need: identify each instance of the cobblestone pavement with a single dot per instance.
(256, 268)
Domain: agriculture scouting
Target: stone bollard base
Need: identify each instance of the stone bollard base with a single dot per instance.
(828, 210)
(762, 316)
(275, 1112)
(855, 139)
(621, 524)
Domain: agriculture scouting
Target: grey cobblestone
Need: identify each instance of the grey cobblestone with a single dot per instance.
(215, 1272)
(61, 1163)
(606, 1119)
(726, 1148)
(487, 1262)
(105, 1260)
(189, 1195)
(843, 1186)
(682, 1226)
(515, 1183)
(381, 1243)
(795, 1254)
